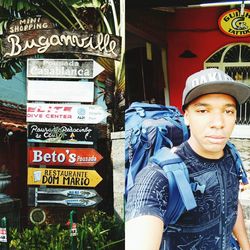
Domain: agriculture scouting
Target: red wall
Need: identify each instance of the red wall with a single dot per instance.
(195, 29)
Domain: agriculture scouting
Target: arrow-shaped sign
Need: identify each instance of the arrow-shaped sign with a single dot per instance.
(63, 68)
(65, 113)
(70, 202)
(63, 177)
(71, 193)
(62, 133)
(63, 156)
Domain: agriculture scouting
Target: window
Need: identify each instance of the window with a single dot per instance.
(234, 59)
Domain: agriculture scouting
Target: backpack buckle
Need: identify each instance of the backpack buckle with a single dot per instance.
(197, 187)
(140, 112)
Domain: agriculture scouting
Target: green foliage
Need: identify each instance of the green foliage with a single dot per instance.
(99, 231)
(96, 231)
(49, 237)
(16, 5)
(86, 3)
(9, 67)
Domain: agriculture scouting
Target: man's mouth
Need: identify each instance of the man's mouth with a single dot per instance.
(217, 139)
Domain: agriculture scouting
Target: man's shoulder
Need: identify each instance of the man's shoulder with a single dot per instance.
(153, 171)
(183, 150)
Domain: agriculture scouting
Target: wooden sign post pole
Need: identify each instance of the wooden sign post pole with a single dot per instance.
(4, 234)
(73, 230)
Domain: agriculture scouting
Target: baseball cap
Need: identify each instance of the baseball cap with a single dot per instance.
(213, 81)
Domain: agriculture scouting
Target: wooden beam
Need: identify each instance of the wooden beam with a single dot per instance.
(150, 37)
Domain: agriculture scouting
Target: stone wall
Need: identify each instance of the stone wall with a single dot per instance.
(243, 146)
(118, 158)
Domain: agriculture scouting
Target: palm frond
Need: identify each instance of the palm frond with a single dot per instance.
(62, 13)
(77, 19)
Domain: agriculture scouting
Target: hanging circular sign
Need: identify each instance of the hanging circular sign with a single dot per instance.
(37, 216)
(234, 24)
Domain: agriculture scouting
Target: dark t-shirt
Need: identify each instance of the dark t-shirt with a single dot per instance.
(210, 224)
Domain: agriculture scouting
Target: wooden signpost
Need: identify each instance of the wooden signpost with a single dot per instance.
(65, 113)
(83, 197)
(56, 41)
(88, 157)
(76, 202)
(63, 68)
(70, 193)
(62, 133)
(59, 120)
(52, 196)
(58, 91)
(63, 177)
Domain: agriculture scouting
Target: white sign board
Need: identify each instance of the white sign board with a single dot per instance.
(61, 91)
(63, 68)
(3, 234)
(65, 113)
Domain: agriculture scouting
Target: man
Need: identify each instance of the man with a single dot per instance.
(209, 104)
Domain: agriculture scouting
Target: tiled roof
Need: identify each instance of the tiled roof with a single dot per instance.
(12, 116)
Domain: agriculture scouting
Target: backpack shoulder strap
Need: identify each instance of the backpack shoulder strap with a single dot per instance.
(238, 163)
(180, 192)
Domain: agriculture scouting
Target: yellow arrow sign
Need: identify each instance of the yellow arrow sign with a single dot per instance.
(63, 177)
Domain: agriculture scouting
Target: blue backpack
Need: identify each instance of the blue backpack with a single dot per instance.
(149, 127)
(151, 130)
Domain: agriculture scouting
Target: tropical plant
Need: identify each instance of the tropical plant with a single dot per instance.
(11, 9)
(96, 231)
(49, 237)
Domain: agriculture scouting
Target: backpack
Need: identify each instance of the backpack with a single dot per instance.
(149, 127)
(151, 130)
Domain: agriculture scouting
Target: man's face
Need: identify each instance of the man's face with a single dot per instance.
(211, 119)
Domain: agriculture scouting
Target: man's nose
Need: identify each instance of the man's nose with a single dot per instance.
(217, 120)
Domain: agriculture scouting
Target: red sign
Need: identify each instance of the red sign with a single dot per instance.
(63, 156)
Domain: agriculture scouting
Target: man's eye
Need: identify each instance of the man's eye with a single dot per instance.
(230, 112)
(202, 111)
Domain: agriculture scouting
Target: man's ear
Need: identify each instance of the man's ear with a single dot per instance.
(186, 118)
